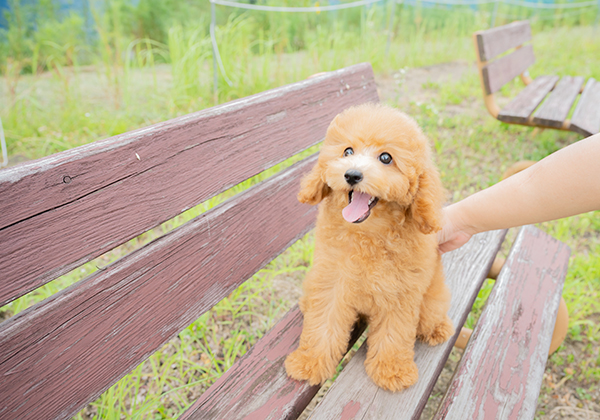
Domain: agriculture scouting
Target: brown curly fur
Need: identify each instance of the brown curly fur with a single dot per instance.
(386, 268)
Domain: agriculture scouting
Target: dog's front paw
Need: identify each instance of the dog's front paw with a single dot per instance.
(306, 365)
(393, 374)
(439, 333)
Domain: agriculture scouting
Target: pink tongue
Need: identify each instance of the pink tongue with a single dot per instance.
(357, 208)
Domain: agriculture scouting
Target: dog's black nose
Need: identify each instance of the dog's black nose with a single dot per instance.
(353, 176)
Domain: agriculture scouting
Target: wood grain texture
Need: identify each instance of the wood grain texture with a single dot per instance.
(503, 70)
(354, 396)
(494, 42)
(257, 386)
(59, 212)
(586, 118)
(520, 109)
(501, 371)
(555, 109)
(65, 351)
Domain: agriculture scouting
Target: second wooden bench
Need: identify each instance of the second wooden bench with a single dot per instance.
(555, 94)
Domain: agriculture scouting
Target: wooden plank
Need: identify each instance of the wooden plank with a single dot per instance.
(494, 42)
(586, 118)
(64, 210)
(555, 109)
(520, 109)
(257, 385)
(65, 351)
(501, 371)
(503, 70)
(353, 392)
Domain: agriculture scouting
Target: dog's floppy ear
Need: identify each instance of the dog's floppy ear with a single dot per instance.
(313, 189)
(426, 207)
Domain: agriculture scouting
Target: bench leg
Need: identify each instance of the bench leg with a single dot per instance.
(463, 338)
(517, 167)
(561, 327)
(496, 267)
(536, 131)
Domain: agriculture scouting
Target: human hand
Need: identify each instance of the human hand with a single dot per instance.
(455, 233)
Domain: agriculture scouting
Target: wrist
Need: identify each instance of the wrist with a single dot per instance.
(458, 215)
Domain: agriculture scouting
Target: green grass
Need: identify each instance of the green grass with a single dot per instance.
(62, 91)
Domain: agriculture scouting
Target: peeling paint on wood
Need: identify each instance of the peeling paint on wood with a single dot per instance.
(350, 410)
(466, 269)
(120, 187)
(501, 371)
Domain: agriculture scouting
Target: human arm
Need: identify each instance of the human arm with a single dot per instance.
(563, 184)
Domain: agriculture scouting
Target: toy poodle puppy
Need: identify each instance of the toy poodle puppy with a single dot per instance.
(375, 253)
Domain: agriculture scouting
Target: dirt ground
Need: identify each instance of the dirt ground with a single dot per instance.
(408, 85)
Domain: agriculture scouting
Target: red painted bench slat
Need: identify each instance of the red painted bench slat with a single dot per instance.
(353, 391)
(120, 187)
(65, 351)
(586, 118)
(520, 109)
(257, 385)
(494, 42)
(501, 371)
(503, 70)
(555, 109)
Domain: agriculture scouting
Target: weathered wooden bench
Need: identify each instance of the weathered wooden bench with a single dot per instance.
(555, 94)
(59, 212)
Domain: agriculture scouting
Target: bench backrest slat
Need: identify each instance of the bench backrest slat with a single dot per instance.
(496, 41)
(503, 70)
(67, 350)
(64, 210)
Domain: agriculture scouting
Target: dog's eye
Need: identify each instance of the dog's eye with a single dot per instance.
(348, 152)
(385, 158)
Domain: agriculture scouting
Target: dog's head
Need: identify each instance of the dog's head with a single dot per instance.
(374, 159)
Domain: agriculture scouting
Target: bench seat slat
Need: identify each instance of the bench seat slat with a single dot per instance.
(353, 391)
(500, 373)
(257, 385)
(520, 109)
(494, 42)
(62, 211)
(65, 351)
(503, 70)
(555, 109)
(586, 118)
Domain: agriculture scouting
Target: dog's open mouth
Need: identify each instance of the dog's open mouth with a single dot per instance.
(359, 206)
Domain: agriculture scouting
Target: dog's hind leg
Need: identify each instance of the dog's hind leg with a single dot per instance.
(435, 326)
(328, 321)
